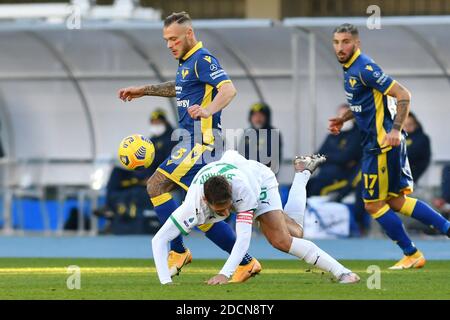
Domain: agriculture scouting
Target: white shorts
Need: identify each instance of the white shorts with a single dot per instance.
(269, 199)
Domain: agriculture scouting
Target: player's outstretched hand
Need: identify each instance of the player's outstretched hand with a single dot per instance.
(393, 138)
(130, 93)
(197, 111)
(218, 279)
(335, 125)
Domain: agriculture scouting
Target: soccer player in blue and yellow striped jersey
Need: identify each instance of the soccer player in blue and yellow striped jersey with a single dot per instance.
(202, 89)
(385, 168)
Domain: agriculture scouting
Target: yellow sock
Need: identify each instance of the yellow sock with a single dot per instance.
(408, 207)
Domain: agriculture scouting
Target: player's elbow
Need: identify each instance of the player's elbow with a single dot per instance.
(404, 101)
(229, 90)
(407, 94)
(233, 92)
(403, 93)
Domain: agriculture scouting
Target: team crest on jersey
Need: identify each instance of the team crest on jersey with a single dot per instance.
(184, 73)
(352, 82)
(207, 58)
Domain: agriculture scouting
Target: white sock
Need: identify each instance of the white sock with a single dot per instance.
(315, 256)
(296, 203)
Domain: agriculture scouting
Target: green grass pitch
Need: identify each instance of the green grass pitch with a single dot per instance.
(280, 279)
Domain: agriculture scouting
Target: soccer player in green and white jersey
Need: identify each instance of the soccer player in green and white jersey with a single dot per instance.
(250, 189)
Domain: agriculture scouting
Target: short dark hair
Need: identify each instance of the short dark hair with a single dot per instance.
(178, 17)
(347, 28)
(217, 190)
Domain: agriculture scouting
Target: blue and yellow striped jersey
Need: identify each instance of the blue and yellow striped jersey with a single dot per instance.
(199, 76)
(366, 87)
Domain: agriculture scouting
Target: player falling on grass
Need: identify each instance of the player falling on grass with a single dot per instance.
(385, 168)
(202, 89)
(250, 189)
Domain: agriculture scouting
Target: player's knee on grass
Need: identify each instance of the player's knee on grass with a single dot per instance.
(373, 207)
(158, 184)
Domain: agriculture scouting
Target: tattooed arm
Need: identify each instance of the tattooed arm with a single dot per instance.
(166, 89)
(403, 97)
(402, 113)
(348, 115)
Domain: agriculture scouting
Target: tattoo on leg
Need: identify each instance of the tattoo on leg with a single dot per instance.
(158, 184)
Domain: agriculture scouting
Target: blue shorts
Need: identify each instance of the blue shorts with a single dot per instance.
(386, 175)
(185, 161)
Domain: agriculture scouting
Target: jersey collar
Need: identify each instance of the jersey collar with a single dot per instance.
(352, 59)
(192, 51)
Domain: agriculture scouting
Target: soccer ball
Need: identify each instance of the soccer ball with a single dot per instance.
(136, 152)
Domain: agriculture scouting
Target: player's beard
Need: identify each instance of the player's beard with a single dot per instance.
(185, 50)
(349, 57)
